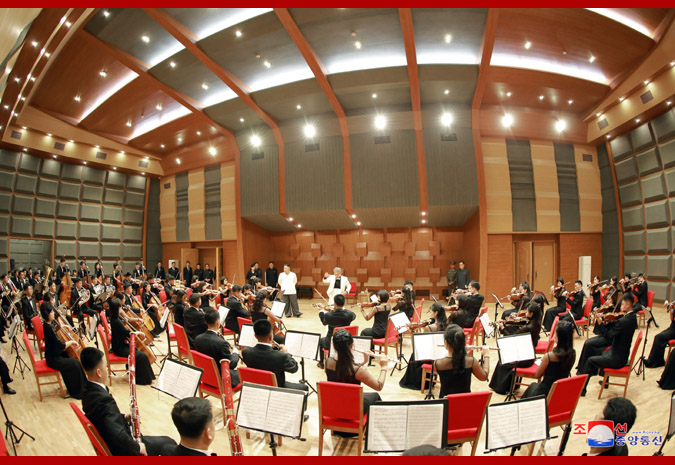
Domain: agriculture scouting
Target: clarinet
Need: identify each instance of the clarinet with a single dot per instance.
(133, 401)
(230, 422)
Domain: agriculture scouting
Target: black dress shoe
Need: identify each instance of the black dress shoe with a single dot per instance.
(3, 340)
(305, 417)
(320, 365)
(298, 315)
(8, 390)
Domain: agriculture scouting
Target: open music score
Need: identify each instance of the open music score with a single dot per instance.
(178, 379)
(397, 426)
(278, 308)
(362, 343)
(400, 321)
(429, 346)
(485, 322)
(223, 311)
(516, 348)
(247, 336)
(271, 409)
(515, 423)
(301, 344)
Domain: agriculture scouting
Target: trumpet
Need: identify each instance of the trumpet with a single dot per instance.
(373, 354)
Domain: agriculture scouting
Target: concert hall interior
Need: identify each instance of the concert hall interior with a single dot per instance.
(462, 178)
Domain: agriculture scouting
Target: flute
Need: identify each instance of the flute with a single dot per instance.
(373, 354)
(474, 347)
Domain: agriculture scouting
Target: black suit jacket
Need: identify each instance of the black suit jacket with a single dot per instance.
(336, 318)
(194, 324)
(577, 305)
(160, 273)
(208, 274)
(236, 310)
(621, 335)
(263, 357)
(54, 347)
(101, 409)
(199, 273)
(175, 272)
(209, 343)
(187, 275)
(181, 451)
(640, 291)
(28, 310)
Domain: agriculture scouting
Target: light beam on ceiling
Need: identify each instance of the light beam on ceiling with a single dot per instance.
(515, 61)
(619, 17)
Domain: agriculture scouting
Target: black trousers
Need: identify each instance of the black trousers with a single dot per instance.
(592, 348)
(600, 362)
(154, 444)
(656, 355)
(4, 372)
(72, 374)
(550, 315)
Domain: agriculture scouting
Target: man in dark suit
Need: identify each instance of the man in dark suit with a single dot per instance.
(193, 419)
(28, 307)
(465, 318)
(211, 344)
(75, 295)
(83, 273)
(61, 270)
(576, 303)
(194, 320)
(237, 310)
(199, 273)
(641, 292)
(462, 276)
(271, 275)
(173, 271)
(159, 271)
(263, 357)
(187, 273)
(208, 274)
(622, 412)
(101, 409)
(340, 316)
(618, 353)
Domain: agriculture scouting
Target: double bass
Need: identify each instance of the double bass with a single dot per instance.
(66, 334)
(66, 285)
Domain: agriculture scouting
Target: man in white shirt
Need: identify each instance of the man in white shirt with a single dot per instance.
(337, 284)
(287, 282)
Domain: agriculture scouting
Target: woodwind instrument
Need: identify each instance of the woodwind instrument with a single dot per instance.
(470, 347)
(133, 401)
(236, 448)
(373, 354)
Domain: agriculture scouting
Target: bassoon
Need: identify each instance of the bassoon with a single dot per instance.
(133, 401)
(230, 421)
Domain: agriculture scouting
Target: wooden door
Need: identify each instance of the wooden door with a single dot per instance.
(523, 262)
(189, 255)
(543, 263)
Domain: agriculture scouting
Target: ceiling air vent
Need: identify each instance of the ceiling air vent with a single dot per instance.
(257, 155)
(603, 123)
(312, 147)
(16, 135)
(449, 137)
(59, 145)
(101, 155)
(143, 164)
(647, 96)
(382, 140)
(587, 157)
(167, 185)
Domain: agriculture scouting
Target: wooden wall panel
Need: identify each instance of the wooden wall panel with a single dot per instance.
(196, 210)
(545, 186)
(590, 189)
(500, 266)
(257, 247)
(470, 248)
(230, 262)
(228, 211)
(167, 204)
(574, 245)
(498, 182)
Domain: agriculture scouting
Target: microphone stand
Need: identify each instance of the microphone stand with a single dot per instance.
(11, 430)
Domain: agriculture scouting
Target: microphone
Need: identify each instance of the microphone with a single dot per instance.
(498, 301)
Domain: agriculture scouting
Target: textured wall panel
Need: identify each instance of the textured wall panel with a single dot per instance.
(664, 125)
(522, 185)
(3, 250)
(133, 216)
(92, 194)
(633, 218)
(671, 208)
(641, 138)
(66, 248)
(212, 202)
(134, 199)
(89, 231)
(72, 172)
(94, 176)
(228, 210)
(661, 291)
(67, 210)
(6, 181)
(153, 251)
(136, 183)
(132, 233)
(648, 162)
(69, 191)
(5, 203)
(196, 204)
(667, 153)
(659, 240)
(670, 182)
(113, 197)
(90, 212)
(657, 214)
(182, 224)
(131, 250)
(66, 230)
(498, 196)
(634, 242)
(29, 164)
(87, 250)
(630, 194)
(112, 214)
(116, 179)
(9, 160)
(259, 181)
(653, 188)
(626, 170)
(167, 202)
(4, 225)
(659, 266)
(634, 264)
(23, 205)
(25, 184)
(111, 232)
(110, 250)
(589, 188)
(50, 168)
(47, 188)
(45, 207)
(21, 226)
(570, 218)
(43, 228)
(621, 147)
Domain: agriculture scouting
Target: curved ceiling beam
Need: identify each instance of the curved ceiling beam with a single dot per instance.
(140, 68)
(319, 70)
(405, 15)
(189, 40)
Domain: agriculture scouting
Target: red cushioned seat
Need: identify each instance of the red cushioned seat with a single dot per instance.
(338, 422)
(618, 371)
(41, 367)
(462, 433)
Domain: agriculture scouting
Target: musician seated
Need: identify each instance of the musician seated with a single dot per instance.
(149, 300)
(120, 334)
(237, 310)
(194, 319)
(101, 409)
(557, 292)
(471, 308)
(56, 356)
(520, 299)
(264, 357)
(456, 368)
(193, 418)
(76, 297)
(179, 307)
(381, 314)
(129, 297)
(261, 311)
(406, 303)
(621, 411)
(661, 340)
(340, 316)
(212, 344)
(576, 302)
(28, 307)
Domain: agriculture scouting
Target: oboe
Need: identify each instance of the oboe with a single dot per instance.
(133, 402)
(230, 421)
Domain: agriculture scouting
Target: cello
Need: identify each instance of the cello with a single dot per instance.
(142, 346)
(66, 285)
(65, 333)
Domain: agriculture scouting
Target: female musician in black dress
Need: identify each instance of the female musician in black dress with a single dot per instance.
(381, 314)
(56, 356)
(561, 306)
(407, 303)
(260, 311)
(151, 308)
(456, 368)
(224, 289)
(179, 307)
(502, 378)
(557, 363)
(595, 292)
(120, 345)
(522, 302)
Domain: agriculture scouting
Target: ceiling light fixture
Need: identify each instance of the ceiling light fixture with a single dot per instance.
(380, 122)
(424, 221)
(423, 213)
(598, 114)
(672, 63)
(129, 123)
(16, 79)
(178, 161)
(353, 216)
(298, 107)
(448, 38)
(145, 39)
(32, 79)
(357, 44)
(114, 168)
(159, 107)
(97, 147)
(637, 120)
(199, 133)
(560, 125)
(310, 131)
(23, 99)
(267, 64)
(646, 81)
(570, 102)
(290, 219)
(541, 97)
(527, 45)
(24, 127)
(102, 73)
(161, 145)
(172, 64)
(49, 135)
(71, 141)
(54, 156)
(34, 44)
(143, 174)
(25, 149)
(299, 226)
(241, 120)
(668, 103)
(621, 99)
(507, 120)
(255, 141)
(446, 91)
(47, 54)
(237, 33)
(180, 139)
(446, 119)
(374, 95)
(6, 107)
(84, 162)
(212, 151)
(106, 13)
(122, 152)
(358, 223)
(77, 98)
(607, 136)
(205, 86)
(68, 24)
(591, 59)
(508, 94)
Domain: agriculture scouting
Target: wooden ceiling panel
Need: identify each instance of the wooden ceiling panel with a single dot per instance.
(182, 132)
(282, 102)
(231, 112)
(355, 90)
(459, 80)
(649, 17)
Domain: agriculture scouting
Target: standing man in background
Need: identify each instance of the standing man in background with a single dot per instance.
(287, 282)
(187, 274)
(208, 274)
(462, 278)
(174, 271)
(271, 275)
(452, 280)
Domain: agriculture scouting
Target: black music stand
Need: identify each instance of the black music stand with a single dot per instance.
(498, 304)
(671, 427)
(19, 361)
(11, 429)
(639, 367)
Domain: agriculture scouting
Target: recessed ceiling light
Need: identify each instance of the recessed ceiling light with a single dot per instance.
(646, 81)
(672, 63)
(53, 156)
(446, 91)
(106, 13)
(68, 24)
(424, 221)
(47, 54)
(527, 45)
(299, 226)
(143, 174)
(423, 213)
(180, 139)
(668, 103)
(23, 99)
(161, 145)
(49, 135)
(374, 95)
(25, 149)
(507, 120)
(621, 99)
(541, 97)
(102, 73)
(172, 64)
(358, 223)
(145, 39)
(310, 131)
(446, 119)
(114, 168)
(237, 33)
(34, 44)
(159, 107)
(122, 152)
(24, 127)
(77, 98)
(97, 147)
(290, 219)
(267, 64)
(255, 141)
(129, 123)
(298, 107)
(71, 141)
(448, 38)
(570, 102)
(353, 216)
(205, 86)
(199, 133)
(508, 94)
(598, 114)
(241, 120)
(32, 78)
(16, 79)
(591, 58)
(607, 136)
(147, 158)
(84, 162)
(560, 125)
(212, 151)
(357, 44)
(637, 120)
(178, 161)
(6, 107)
(380, 122)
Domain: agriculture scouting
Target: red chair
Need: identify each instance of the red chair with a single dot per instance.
(623, 372)
(562, 403)
(546, 346)
(390, 337)
(243, 321)
(255, 376)
(415, 319)
(529, 372)
(95, 438)
(212, 382)
(110, 358)
(353, 330)
(106, 326)
(162, 296)
(641, 313)
(481, 332)
(183, 343)
(3, 447)
(352, 293)
(466, 413)
(584, 322)
(340, 409)
(671, 344)
(39, 334)
(41, 369)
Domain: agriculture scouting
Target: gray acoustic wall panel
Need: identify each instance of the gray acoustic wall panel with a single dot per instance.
(23, 205)
(664, 125)
(89, 231)
(259, 181)
(641, 137)
(657, 214)
(66, 229)
(50, 168)
(667, 153)
(633, 218)
(65, 247)
(648, 162)
(626, 170)
(671, 205)
(94, 176)
(132, 233)
(135, 199)
(22, 226)
(634, 242)
(43, 228)
(661, 290)
(153, 236)
(4, 225)
(136, 183)
(29, 164)
(90, 212)
(131, 250)
(9, 160)
(659, 240)
(45, 207)
(72, 172)
(670, 181)
(6, 181)
(92, 194)
(653, 188)
(5, 203)
(133, 216)
(114, 197)
(110, 250)
(87, 249)
(659, 266)
(112, 214)
(3, 250)
(116, 179)
(182, 224)
(630, 194)
(47, 188)
(212, 203)
(634, 264)
(67, 210)
(570, 217)
(69, 191)
(111, 232)
(621, 147)
(25, 184)
(523, 202)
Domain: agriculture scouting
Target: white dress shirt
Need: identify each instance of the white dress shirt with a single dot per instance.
(287, 283)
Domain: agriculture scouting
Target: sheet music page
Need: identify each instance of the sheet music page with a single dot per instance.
(423, 346)
(178, 380)
(374, 299)
(223, 311)
(515, 348)
(439, 346)
(387, 427)
(400, 321)
(252, 410)
(278, 308)
(425, 425)
(293, 343)
(309, 347)
(532, 420)
(502, 424)
(525, 347)
(284, 413)
(247, 336)
(488, 329)
(165, 317)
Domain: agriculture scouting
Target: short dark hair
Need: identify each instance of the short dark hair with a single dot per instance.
(90, 358)
(191, 416)
(194, 298)
(629, 298)
(475, 285)
(641, 275)
(425, 450)
(211, 315)
(409, 283)
(339, 300)
(236, 288)
(63, 260)
(383, 295)
(621, 411)
(45, 309)
(578, 281)
(262, 328)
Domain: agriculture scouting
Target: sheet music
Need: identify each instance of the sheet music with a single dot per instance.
(488, 329)
(278, 308)
(419, 419)
(303, 345)
(429, 346)
(247, 336)
(165, 317)
(532, 420)
(400, 321)
(284, 413)
(396, 427)
(252, 410)
(387, 426)
(374, 299)
(515, 423)
(515, 348)
(178, 380)
(223, 311)
(671, 423)
(361, 343)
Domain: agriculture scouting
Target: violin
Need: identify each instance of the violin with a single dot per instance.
(420, 324)
(511, 320)
(607, 317)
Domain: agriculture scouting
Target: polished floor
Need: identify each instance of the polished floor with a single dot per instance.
(58, 432)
